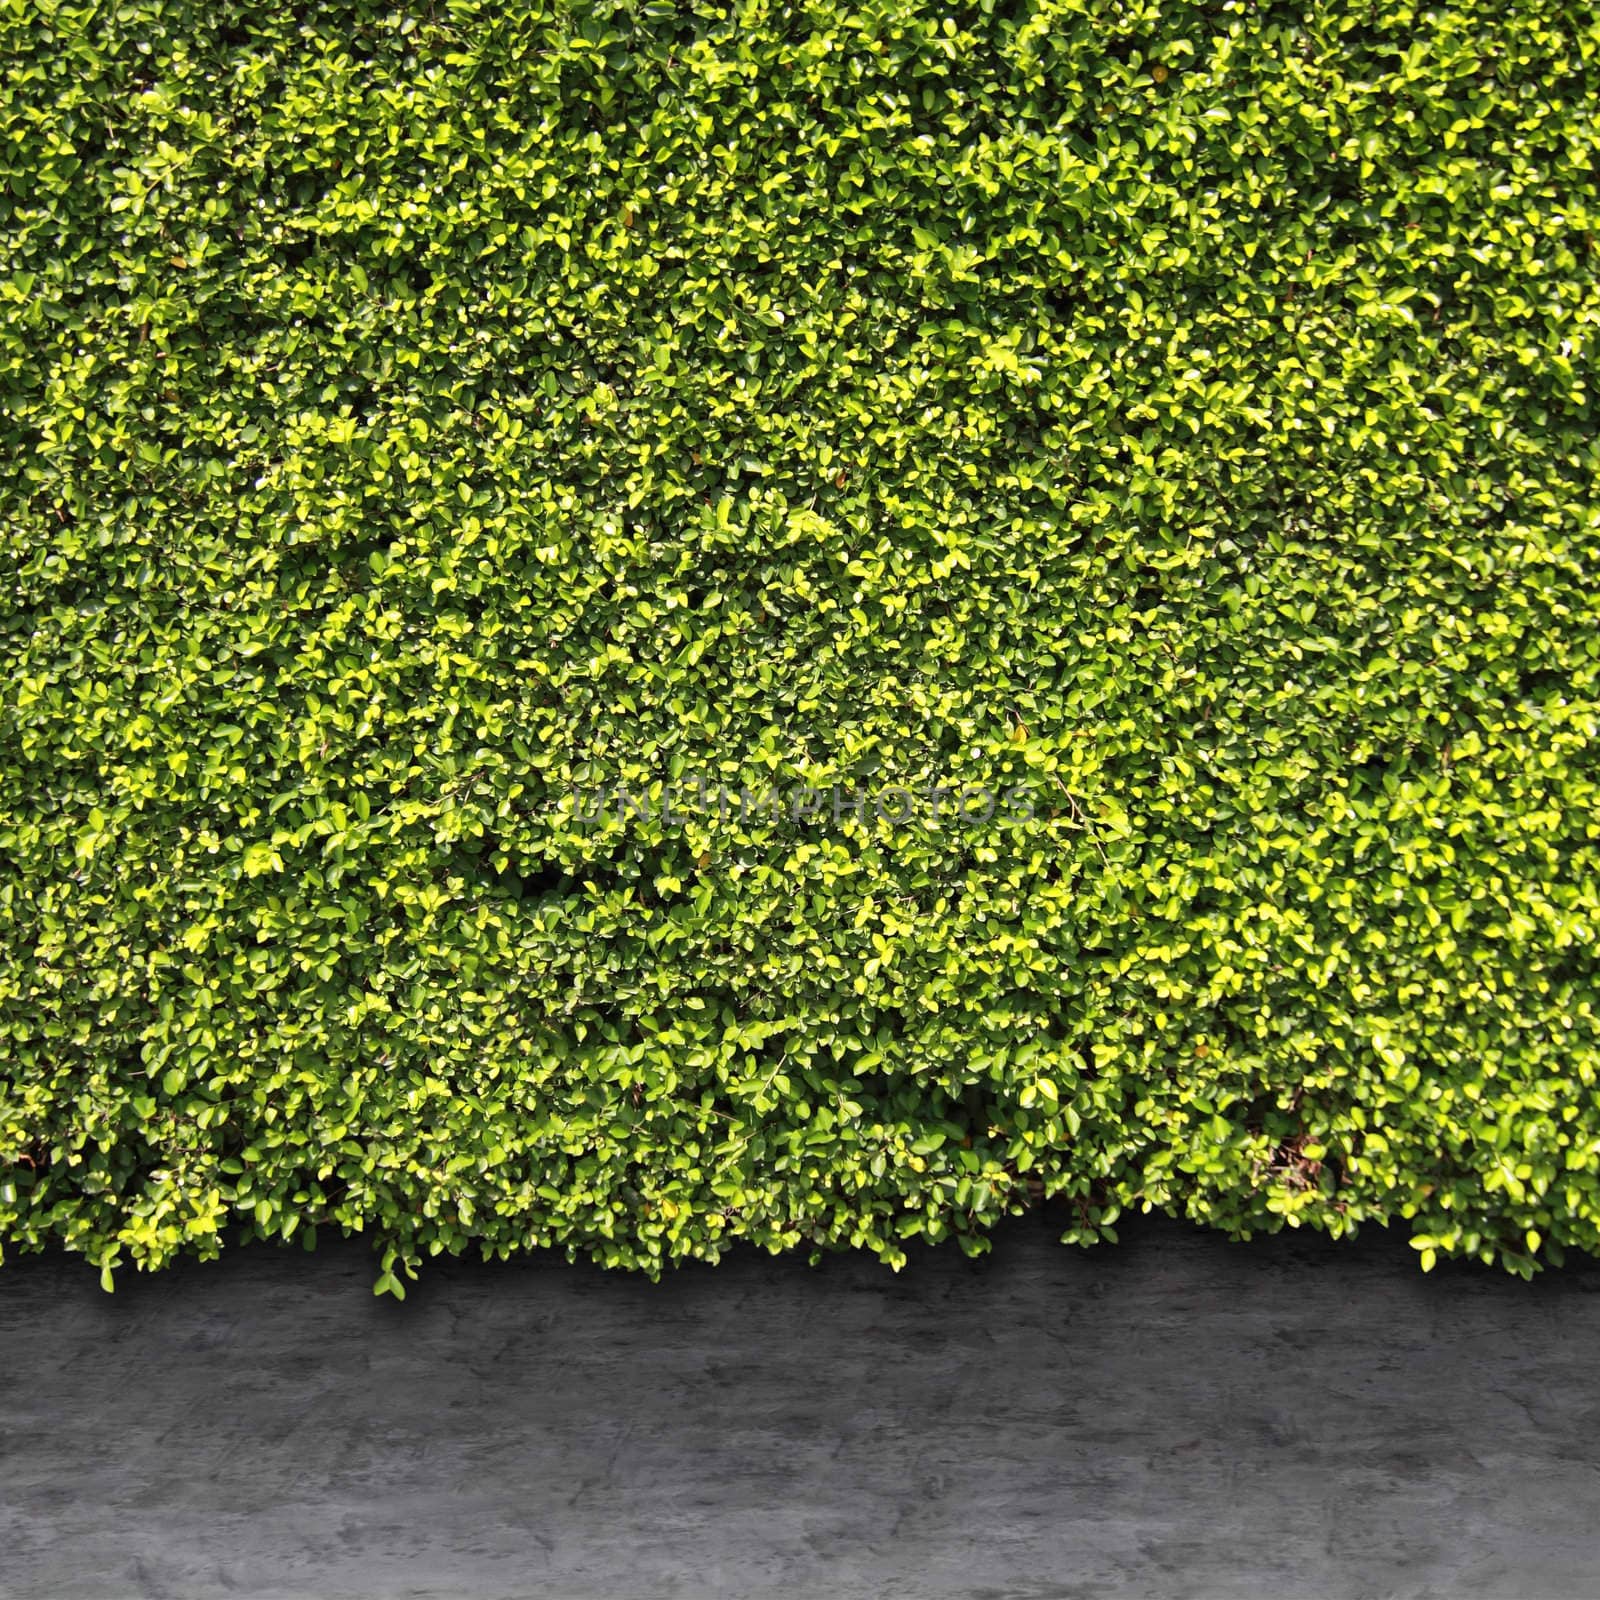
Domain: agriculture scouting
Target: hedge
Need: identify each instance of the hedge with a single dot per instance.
(443, 438)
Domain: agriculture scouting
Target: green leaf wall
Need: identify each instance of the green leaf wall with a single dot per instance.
(416, 421)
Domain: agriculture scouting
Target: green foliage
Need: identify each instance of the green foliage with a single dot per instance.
(415, 416)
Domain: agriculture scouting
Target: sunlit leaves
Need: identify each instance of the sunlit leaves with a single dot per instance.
(425, 421)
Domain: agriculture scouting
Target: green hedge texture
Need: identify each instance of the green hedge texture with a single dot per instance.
(422, 420)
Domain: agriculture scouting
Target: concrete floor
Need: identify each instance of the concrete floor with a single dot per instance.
(1173, 1417)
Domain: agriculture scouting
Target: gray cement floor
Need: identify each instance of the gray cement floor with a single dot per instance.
(1174, 1417)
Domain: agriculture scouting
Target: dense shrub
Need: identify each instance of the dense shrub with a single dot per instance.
(426, 424)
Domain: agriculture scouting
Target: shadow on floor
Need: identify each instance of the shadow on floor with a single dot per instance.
(1176, 1416)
